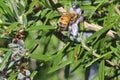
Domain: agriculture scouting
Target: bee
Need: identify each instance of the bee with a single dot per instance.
(67, 19)
(20, 35)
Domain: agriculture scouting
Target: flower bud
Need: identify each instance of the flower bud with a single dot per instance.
(27, 73)
(20, 76)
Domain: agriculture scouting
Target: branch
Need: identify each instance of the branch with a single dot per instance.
(117, 10)
(94, 27)
(94, 53)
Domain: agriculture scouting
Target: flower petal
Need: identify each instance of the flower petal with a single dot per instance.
(74, 29)
(79, 20)
(78, 10)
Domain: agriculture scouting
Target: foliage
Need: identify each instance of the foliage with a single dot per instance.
(55, 57)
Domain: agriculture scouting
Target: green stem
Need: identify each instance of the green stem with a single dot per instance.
(99, 58)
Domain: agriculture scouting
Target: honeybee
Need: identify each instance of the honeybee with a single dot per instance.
(67, 19)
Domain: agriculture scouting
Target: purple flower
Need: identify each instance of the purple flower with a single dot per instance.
(74, 29)
(27, 73)
(79, 20)
(93, 71)
(87, 34)
(77, 10)
(20, 76)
